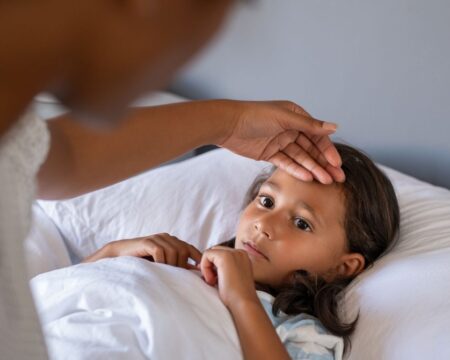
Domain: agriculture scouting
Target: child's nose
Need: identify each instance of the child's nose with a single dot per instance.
(263, 228)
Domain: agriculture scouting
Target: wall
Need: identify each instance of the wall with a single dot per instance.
(380, 69)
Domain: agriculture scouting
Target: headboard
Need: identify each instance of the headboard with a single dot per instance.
(379, 68)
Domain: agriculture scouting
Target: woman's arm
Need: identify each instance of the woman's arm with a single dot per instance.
(231, 270)
(82, 159)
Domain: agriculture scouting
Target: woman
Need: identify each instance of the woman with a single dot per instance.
(95, 57)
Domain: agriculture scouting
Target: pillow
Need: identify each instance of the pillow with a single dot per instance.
(198, 200)
(402, 300)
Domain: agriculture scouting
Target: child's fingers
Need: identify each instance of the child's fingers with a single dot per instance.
(186, 252)
(192, 267)
(208, 270)
(195, 254)
(182, 249)
(171, 250)
(154, 250)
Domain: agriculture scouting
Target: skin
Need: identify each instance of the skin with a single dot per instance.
(82, 160)
(95, 65)
(296, 225)
(286, 248)
(293, 224)
(97, 56)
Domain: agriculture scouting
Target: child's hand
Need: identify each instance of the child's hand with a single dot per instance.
(161, 248)
(232, 270)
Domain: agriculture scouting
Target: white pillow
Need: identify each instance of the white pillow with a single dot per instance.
(403, 300)
(198, 200)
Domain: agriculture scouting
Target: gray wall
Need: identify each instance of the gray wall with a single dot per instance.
(379, 68)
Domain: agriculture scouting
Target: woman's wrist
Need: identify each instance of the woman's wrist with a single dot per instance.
(222, 116)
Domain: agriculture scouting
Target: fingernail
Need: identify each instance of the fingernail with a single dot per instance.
(329, 126)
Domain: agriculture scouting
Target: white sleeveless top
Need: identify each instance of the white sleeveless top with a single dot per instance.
(23, 148)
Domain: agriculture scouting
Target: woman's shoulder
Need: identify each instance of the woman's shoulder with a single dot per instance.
(26, 143)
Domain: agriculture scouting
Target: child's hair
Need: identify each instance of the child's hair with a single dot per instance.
(371, 223)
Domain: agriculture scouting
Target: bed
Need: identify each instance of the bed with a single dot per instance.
(402, 301)
(380, 102)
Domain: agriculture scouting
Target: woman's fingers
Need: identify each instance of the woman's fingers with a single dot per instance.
(297, 118)
(286, 163)
(316, 151)
(327, 148)
(269, 130)
(306, 159)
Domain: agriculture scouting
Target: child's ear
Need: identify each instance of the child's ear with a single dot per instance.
(350, 265)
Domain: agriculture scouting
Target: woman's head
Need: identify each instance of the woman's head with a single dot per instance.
(328, 231)
(98, 56)
(133, 47)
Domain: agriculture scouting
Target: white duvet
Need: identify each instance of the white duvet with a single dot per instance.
(130, 308)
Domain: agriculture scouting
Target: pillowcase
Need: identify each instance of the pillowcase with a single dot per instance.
(403, 303)
(198, 200)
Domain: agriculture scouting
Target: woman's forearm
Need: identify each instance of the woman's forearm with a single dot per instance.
(82, 160)
(257, 335)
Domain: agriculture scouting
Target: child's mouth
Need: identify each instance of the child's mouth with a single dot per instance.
(252, 250)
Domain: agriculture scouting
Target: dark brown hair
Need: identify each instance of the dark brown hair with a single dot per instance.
(371, 223)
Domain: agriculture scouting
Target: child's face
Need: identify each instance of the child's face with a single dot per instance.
(296, 226)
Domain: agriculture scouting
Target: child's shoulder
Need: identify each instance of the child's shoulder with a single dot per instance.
(301, 319)
(302, 333)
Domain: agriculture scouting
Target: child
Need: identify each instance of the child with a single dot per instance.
(297, 245)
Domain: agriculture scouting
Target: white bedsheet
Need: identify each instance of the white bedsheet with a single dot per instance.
(130, 308)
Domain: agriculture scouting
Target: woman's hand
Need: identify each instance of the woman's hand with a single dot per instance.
(161, 248)
(284, 134)
(232, 270)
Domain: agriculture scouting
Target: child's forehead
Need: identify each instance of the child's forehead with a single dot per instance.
(328, 201)
(284, 182)
(282, 177)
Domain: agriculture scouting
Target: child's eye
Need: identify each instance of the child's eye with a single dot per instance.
(302, 224)
(265, 201)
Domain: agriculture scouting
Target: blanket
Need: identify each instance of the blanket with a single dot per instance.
(131, 308)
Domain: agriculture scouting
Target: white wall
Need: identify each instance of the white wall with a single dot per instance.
(379, 68)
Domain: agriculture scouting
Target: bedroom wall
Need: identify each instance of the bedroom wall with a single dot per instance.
(381, 69)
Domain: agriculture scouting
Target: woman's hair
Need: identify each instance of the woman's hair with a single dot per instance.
(371, 223)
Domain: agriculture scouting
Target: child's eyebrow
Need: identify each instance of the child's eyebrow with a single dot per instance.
(304, 205)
